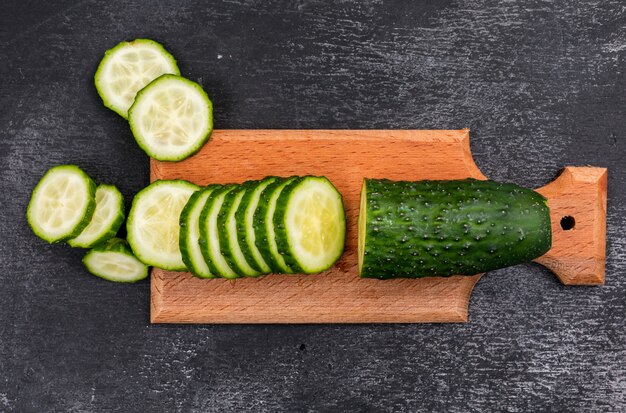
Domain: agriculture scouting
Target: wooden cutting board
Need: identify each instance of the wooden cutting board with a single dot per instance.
(339, 295)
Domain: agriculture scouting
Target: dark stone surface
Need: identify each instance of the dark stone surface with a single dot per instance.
(541, 84)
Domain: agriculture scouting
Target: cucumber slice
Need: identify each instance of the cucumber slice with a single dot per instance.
(244, 217)
(229, 244)
(61, 204)
(153, 223)
(209, 238)
(106, 220)
(265, 237)
(171, 118)
(190, 233)
(114, 261)
(129, 67)
(310, 224)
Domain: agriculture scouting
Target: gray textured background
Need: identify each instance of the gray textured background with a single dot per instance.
(541, 85)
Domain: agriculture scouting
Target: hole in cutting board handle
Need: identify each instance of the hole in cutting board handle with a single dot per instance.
(568, 223)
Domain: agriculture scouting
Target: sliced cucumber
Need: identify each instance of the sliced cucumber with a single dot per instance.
(171, 118)
(209, 238)
(264, 227)
(153, 223)
(244, 217)
(114, 261)
(227, 231)
(129, 67)
(106, 220)
(310, 224)
(61, 204)
(190, 233)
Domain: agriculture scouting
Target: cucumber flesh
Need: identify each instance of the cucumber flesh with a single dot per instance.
(227, 232)
(106, 219)
(171, 118)
(444, 228)
(61, 204)
(153, 224)
(244, 217)
(264, 220)
(190, 233)
(310, 224)
(129, 67)
(209, 238)
(113, 260)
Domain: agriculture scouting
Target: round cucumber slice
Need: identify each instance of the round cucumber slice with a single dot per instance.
(153, 223)
(190, 233)
(129, 67)
(106, 220)
(229, 245)
(114, 261)
(209, 238)
(244, 217)
(310, 224)
(61, 204)
(171, 118)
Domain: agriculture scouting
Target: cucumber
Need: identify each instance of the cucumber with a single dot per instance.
(153, 225)
(114, 261)
(129, 67)
(227, 231)
(171, 118)
(244, 217)
(444, 228)
(209, 238)
(106, 220)
(310, 224)
(190, 233)
(265, 237)
(61, 204)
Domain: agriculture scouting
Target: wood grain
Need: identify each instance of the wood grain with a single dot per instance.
(338, 295)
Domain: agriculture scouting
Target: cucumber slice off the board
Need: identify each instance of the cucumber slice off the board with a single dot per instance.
(129, 67)
(171, 118)
(209, 238)
(106, 219)
(227, 231)
(190, 233)
(61, 204)
(310, 224)
(153, 224)
(114, 261)
(244, 217)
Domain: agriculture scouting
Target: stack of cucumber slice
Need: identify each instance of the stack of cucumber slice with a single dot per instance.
(67, 206)
(275, 225)
(170, 117)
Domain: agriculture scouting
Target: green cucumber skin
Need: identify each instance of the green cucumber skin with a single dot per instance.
(204, 236)
(240, 218)
(444, 228)
(260, 230)
(225, 244)
(282, 240)
(184, 229)
(117, 245)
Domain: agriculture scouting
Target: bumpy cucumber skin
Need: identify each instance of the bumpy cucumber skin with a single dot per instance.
(91, 206)
(130, 220)
(117, 245)
(242, 230)
(282, 240)
(444, 228)
(225, 243)
(204, 235)
(115, 225)
(98, 75)
(139, 139)
(184, 231)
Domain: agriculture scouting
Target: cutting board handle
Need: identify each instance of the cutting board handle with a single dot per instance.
(577, 201)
